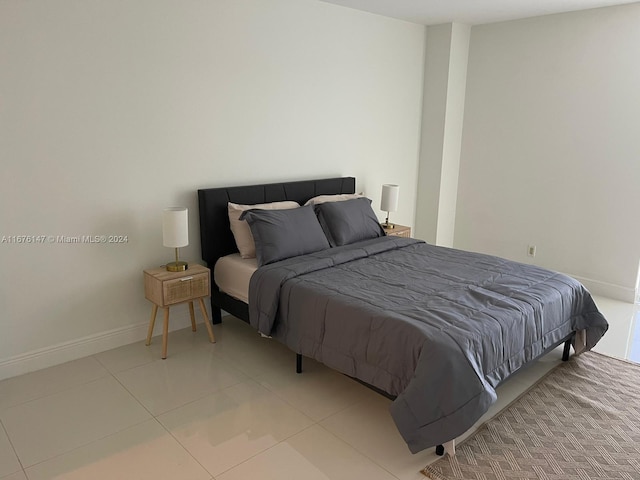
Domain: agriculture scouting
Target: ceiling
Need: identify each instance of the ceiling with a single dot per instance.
(473, 12)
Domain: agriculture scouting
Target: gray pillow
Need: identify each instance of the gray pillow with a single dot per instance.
(349, 221)
(281, 234)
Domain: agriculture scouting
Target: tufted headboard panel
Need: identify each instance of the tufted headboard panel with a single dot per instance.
(215, 234)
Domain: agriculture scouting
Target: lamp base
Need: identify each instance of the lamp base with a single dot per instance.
(177, 266)
(386, 223)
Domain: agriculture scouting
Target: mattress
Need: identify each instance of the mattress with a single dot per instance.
(232, 274)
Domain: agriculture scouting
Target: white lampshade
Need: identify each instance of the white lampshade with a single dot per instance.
(175, 227)
(389, 202)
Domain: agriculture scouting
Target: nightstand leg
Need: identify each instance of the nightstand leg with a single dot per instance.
(193, 317)
(152, 322)
(165, 332)
(212, 339)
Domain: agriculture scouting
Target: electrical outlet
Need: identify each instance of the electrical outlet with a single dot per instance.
(531, 251)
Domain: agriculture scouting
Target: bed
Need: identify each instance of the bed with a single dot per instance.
(436, 329)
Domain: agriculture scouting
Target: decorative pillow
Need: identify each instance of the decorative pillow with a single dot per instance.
(281, 234)
(341, 197)
(349, 221)
(240, 228)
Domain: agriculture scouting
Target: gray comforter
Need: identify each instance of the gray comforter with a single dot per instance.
(438, 328)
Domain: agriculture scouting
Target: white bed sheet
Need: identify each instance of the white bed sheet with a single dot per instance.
(232, 274)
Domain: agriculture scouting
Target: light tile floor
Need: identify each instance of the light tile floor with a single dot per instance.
(233, 410)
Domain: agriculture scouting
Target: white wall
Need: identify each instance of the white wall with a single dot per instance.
(446, 55)
(551, 145)
(434, 108)
(112, 110)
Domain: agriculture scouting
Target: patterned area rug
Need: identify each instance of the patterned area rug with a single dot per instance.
(581, 421)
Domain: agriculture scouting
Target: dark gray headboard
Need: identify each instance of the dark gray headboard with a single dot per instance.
(215, 235)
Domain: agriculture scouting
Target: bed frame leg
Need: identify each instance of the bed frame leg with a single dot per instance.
(579, 341)
(216, 313)
(298, 363)
(448, 447)
(567, 350)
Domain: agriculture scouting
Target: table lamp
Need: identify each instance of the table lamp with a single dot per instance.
(175, 234)
(389, 202)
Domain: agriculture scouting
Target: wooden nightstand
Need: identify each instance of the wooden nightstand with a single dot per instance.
(166, 289)
(398, 231)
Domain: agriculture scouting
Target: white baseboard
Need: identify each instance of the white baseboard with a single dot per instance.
(92, 344)
(609, 290)
(82, 347)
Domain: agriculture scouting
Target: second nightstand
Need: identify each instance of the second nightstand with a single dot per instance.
(398, 231)
(166, 289)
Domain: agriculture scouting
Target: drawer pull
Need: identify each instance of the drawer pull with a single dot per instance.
(186, 278)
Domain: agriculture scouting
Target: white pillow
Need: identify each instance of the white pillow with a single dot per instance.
(341, 197)
(240, 228)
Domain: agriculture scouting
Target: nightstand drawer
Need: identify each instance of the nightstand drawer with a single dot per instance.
(398, 231)
(403, 233)
(166, 288)
(181, 289)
